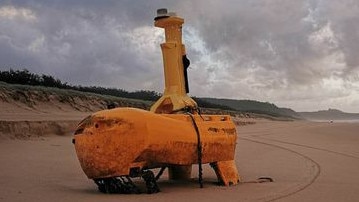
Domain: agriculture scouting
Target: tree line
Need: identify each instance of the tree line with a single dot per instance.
(24, 77)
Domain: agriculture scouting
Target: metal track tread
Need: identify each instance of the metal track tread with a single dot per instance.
(124, 184)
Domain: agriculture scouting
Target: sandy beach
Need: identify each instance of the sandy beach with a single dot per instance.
(308, 161)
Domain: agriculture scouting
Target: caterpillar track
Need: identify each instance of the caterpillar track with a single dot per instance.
(124, 184)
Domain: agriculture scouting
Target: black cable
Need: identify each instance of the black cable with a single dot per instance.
(199, 112)
(160, 173)
(199, 151)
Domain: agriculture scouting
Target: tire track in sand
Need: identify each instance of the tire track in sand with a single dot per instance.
(304, 185)
(311, 147)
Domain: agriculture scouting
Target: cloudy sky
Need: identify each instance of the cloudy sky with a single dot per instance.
(300, 54)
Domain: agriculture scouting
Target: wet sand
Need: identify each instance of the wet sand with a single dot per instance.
(308, 161)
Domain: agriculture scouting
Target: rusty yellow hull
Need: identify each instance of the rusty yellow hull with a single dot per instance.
(111, 143)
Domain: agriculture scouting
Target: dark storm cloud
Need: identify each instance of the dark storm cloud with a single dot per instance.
(289, 52)
(269, 33)
(344, 18)
(279, 47)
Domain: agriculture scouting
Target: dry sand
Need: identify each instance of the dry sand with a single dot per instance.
(308, 162)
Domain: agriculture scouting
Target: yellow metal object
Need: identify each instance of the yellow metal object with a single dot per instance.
(112, 142)
(127, 142)
(174, 97)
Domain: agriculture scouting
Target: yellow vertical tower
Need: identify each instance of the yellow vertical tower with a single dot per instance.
(175, 96)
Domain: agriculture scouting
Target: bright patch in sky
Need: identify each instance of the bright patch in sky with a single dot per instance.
(10, 12)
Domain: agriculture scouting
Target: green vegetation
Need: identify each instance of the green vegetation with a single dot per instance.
(255, 107)
(82, 101)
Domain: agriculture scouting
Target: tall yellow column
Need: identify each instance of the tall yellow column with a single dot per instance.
(175, 97)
